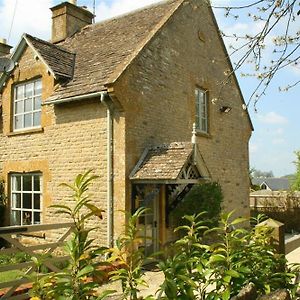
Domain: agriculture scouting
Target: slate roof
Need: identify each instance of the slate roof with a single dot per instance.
(275, 184)
(163, 162)
(60, 61)
(103, 50)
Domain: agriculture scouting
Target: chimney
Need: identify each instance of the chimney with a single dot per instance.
(68, 18)
(4, 48)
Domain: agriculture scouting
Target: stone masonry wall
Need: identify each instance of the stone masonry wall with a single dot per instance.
(72, 140)
(158, 94)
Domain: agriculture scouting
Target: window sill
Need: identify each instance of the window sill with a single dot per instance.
(26, 131)
(202, 134)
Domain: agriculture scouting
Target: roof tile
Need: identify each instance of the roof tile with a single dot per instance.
(164, 161)
(103, 50)
(57, 58)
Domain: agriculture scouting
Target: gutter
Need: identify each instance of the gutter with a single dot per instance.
(76, 98)
(110, 203)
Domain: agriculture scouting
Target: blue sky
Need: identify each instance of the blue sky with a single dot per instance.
(276, 123)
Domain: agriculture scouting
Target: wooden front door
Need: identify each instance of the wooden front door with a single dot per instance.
(148, 196)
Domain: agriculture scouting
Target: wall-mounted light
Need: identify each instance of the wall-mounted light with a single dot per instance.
(225, 109)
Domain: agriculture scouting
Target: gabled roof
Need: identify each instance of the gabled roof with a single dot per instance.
(104, 50)
(60, 62)
(274, 184)
(170, 162)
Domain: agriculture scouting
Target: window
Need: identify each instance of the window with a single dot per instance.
(27, 105)
(201, 110)
(26, 198)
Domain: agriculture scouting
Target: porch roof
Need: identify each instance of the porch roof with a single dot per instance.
(170, 163)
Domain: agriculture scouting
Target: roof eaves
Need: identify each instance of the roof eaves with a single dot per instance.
(116, 75)
(39, 56)
(14, 57)
(139, 163)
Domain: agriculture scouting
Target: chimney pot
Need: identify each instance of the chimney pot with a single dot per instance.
(4, 48)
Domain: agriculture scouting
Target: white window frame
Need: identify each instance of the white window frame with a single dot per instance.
(21, 192)
(201, 104)
(22, 100)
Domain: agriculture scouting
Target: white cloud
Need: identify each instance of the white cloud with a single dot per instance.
(34, 16)
(106, 10)
(253, 148)
(31, 16)
(279, 131)
(272, 118)
(278, 141)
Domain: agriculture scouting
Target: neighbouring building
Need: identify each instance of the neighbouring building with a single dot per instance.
(120, 97)
(272, 183)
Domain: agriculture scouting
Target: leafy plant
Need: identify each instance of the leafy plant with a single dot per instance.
(220, 270)
(74, 283)
(128, 254)
(15, 258)
(184, 270)
(3, 206)
(206, 197)
(242, 256)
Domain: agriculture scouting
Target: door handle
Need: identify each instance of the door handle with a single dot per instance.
(155, 224)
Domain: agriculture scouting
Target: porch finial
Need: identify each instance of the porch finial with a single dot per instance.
(194, 134)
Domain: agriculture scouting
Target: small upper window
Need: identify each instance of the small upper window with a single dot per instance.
(201, 110)
(27, 105)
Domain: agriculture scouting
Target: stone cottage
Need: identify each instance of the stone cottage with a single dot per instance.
(120, 97)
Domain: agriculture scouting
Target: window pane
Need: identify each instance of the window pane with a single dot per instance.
(37, 183)
(38, 87)
(37, 218)
(36, 118)
(27, 201)
(203, 125)
(37, 201)
(201, 110)
(27, 183)
(28, 90)
(16, 201)
(15, 217)
(37, 103)
(28, 120)
(20, 92)
(27, 218)
(16, 183)
(19, 107)
(19, 122)
(28, 105)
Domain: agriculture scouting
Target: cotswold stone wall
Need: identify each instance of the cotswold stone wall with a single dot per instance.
(72, 139)
(158, 94)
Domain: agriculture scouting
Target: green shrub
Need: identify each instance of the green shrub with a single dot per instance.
(129, 255)
(222, 269)
(85, 257)
(15, 258)
(202, 197)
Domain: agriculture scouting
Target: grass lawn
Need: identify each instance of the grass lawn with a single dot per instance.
(10, 275)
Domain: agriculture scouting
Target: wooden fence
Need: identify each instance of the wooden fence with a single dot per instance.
(15, 236)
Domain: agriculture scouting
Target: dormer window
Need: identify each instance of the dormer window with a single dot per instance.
(27, 105)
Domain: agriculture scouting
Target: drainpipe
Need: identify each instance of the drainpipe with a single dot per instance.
(110, 204)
